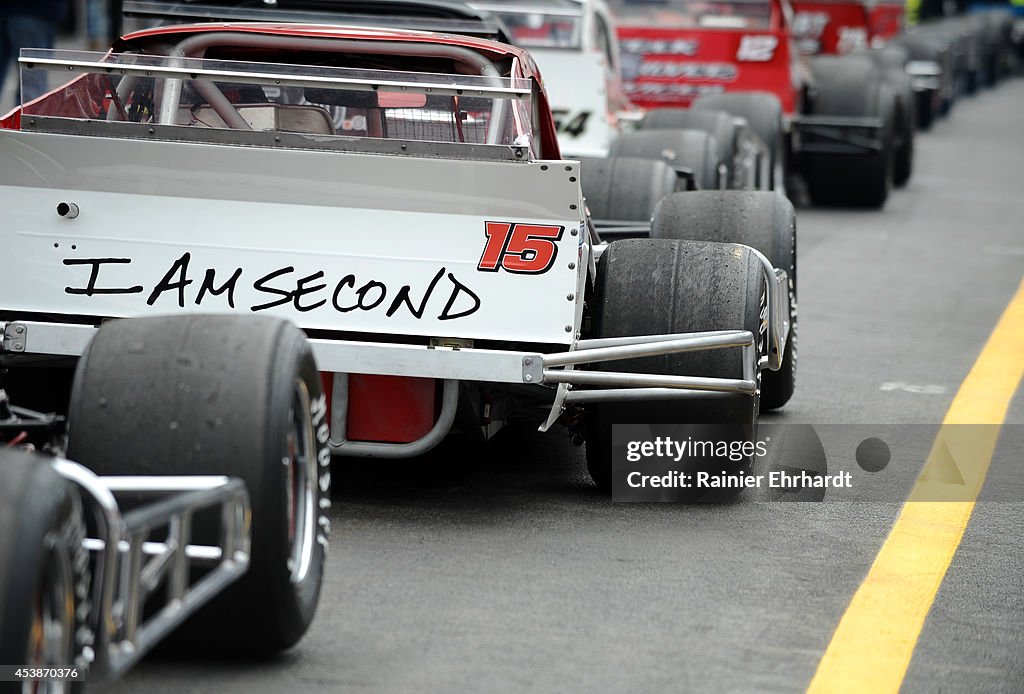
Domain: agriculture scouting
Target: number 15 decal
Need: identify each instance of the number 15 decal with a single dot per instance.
(525, 249)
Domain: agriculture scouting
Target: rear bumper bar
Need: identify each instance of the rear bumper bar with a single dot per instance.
(444, 363)
(839, 135)
(142, 561)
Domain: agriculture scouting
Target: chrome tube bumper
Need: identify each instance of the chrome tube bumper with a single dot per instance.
(131, 570)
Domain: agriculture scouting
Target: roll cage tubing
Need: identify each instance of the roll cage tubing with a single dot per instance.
(196, 47)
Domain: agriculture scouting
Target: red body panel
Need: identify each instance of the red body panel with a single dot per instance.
(670, 67)
(887, 20)
(830, 27)
(390, 409)
(820, 26)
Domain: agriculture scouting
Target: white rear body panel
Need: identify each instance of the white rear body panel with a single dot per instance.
(326, 239)
(577, 84)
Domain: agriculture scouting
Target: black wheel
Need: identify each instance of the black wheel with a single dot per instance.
(763, 220)
(892, 61)
(718, 124)
(221, 395)
(999, 37)
(971, 30)
(903, 135)
(925, 108)
(931, 42)
(892, 56)
(935, 47)
(626, 188)
(763, 113)
(682, 149)
(927, 102)
(946, 52)
(945, 106)
(44, 569)
(851, 85)
(648, 286)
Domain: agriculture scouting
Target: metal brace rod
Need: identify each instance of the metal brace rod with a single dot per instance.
(576, 397)
(621, 379)
(152, 549)
(736, 338)
(592, 343)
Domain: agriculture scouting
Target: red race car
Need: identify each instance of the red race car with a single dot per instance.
(841, 122)
(837, 27)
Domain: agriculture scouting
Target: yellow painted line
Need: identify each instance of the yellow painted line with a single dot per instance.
(874, 642)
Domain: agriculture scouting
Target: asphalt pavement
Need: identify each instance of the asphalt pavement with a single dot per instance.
(503, 570)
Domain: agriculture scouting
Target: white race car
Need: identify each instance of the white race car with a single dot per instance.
(575, 45)
(401, 197)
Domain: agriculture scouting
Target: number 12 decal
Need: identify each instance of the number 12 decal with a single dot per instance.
(525, 249)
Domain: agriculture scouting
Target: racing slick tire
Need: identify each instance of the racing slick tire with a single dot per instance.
(925, 47)
(851, 85)
(693, 150)
(44, 568)
(892, 61)
(224, 395)
(890, 56)
(998, 37)
(903, 136)
(626, 188)
(765, 221)
(718, 124)
(763, 113)
(659, 286)
(939, 47)
(924, 109)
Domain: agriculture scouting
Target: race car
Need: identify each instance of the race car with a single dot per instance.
(962, 53)
(576, 46)
(573, 42)
(942, 59)
(399, 195)
(835, 120)
(841, 27)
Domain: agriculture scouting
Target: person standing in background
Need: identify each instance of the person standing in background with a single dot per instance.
(28, 24)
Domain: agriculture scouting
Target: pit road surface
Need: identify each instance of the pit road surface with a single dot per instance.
(506, 571)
